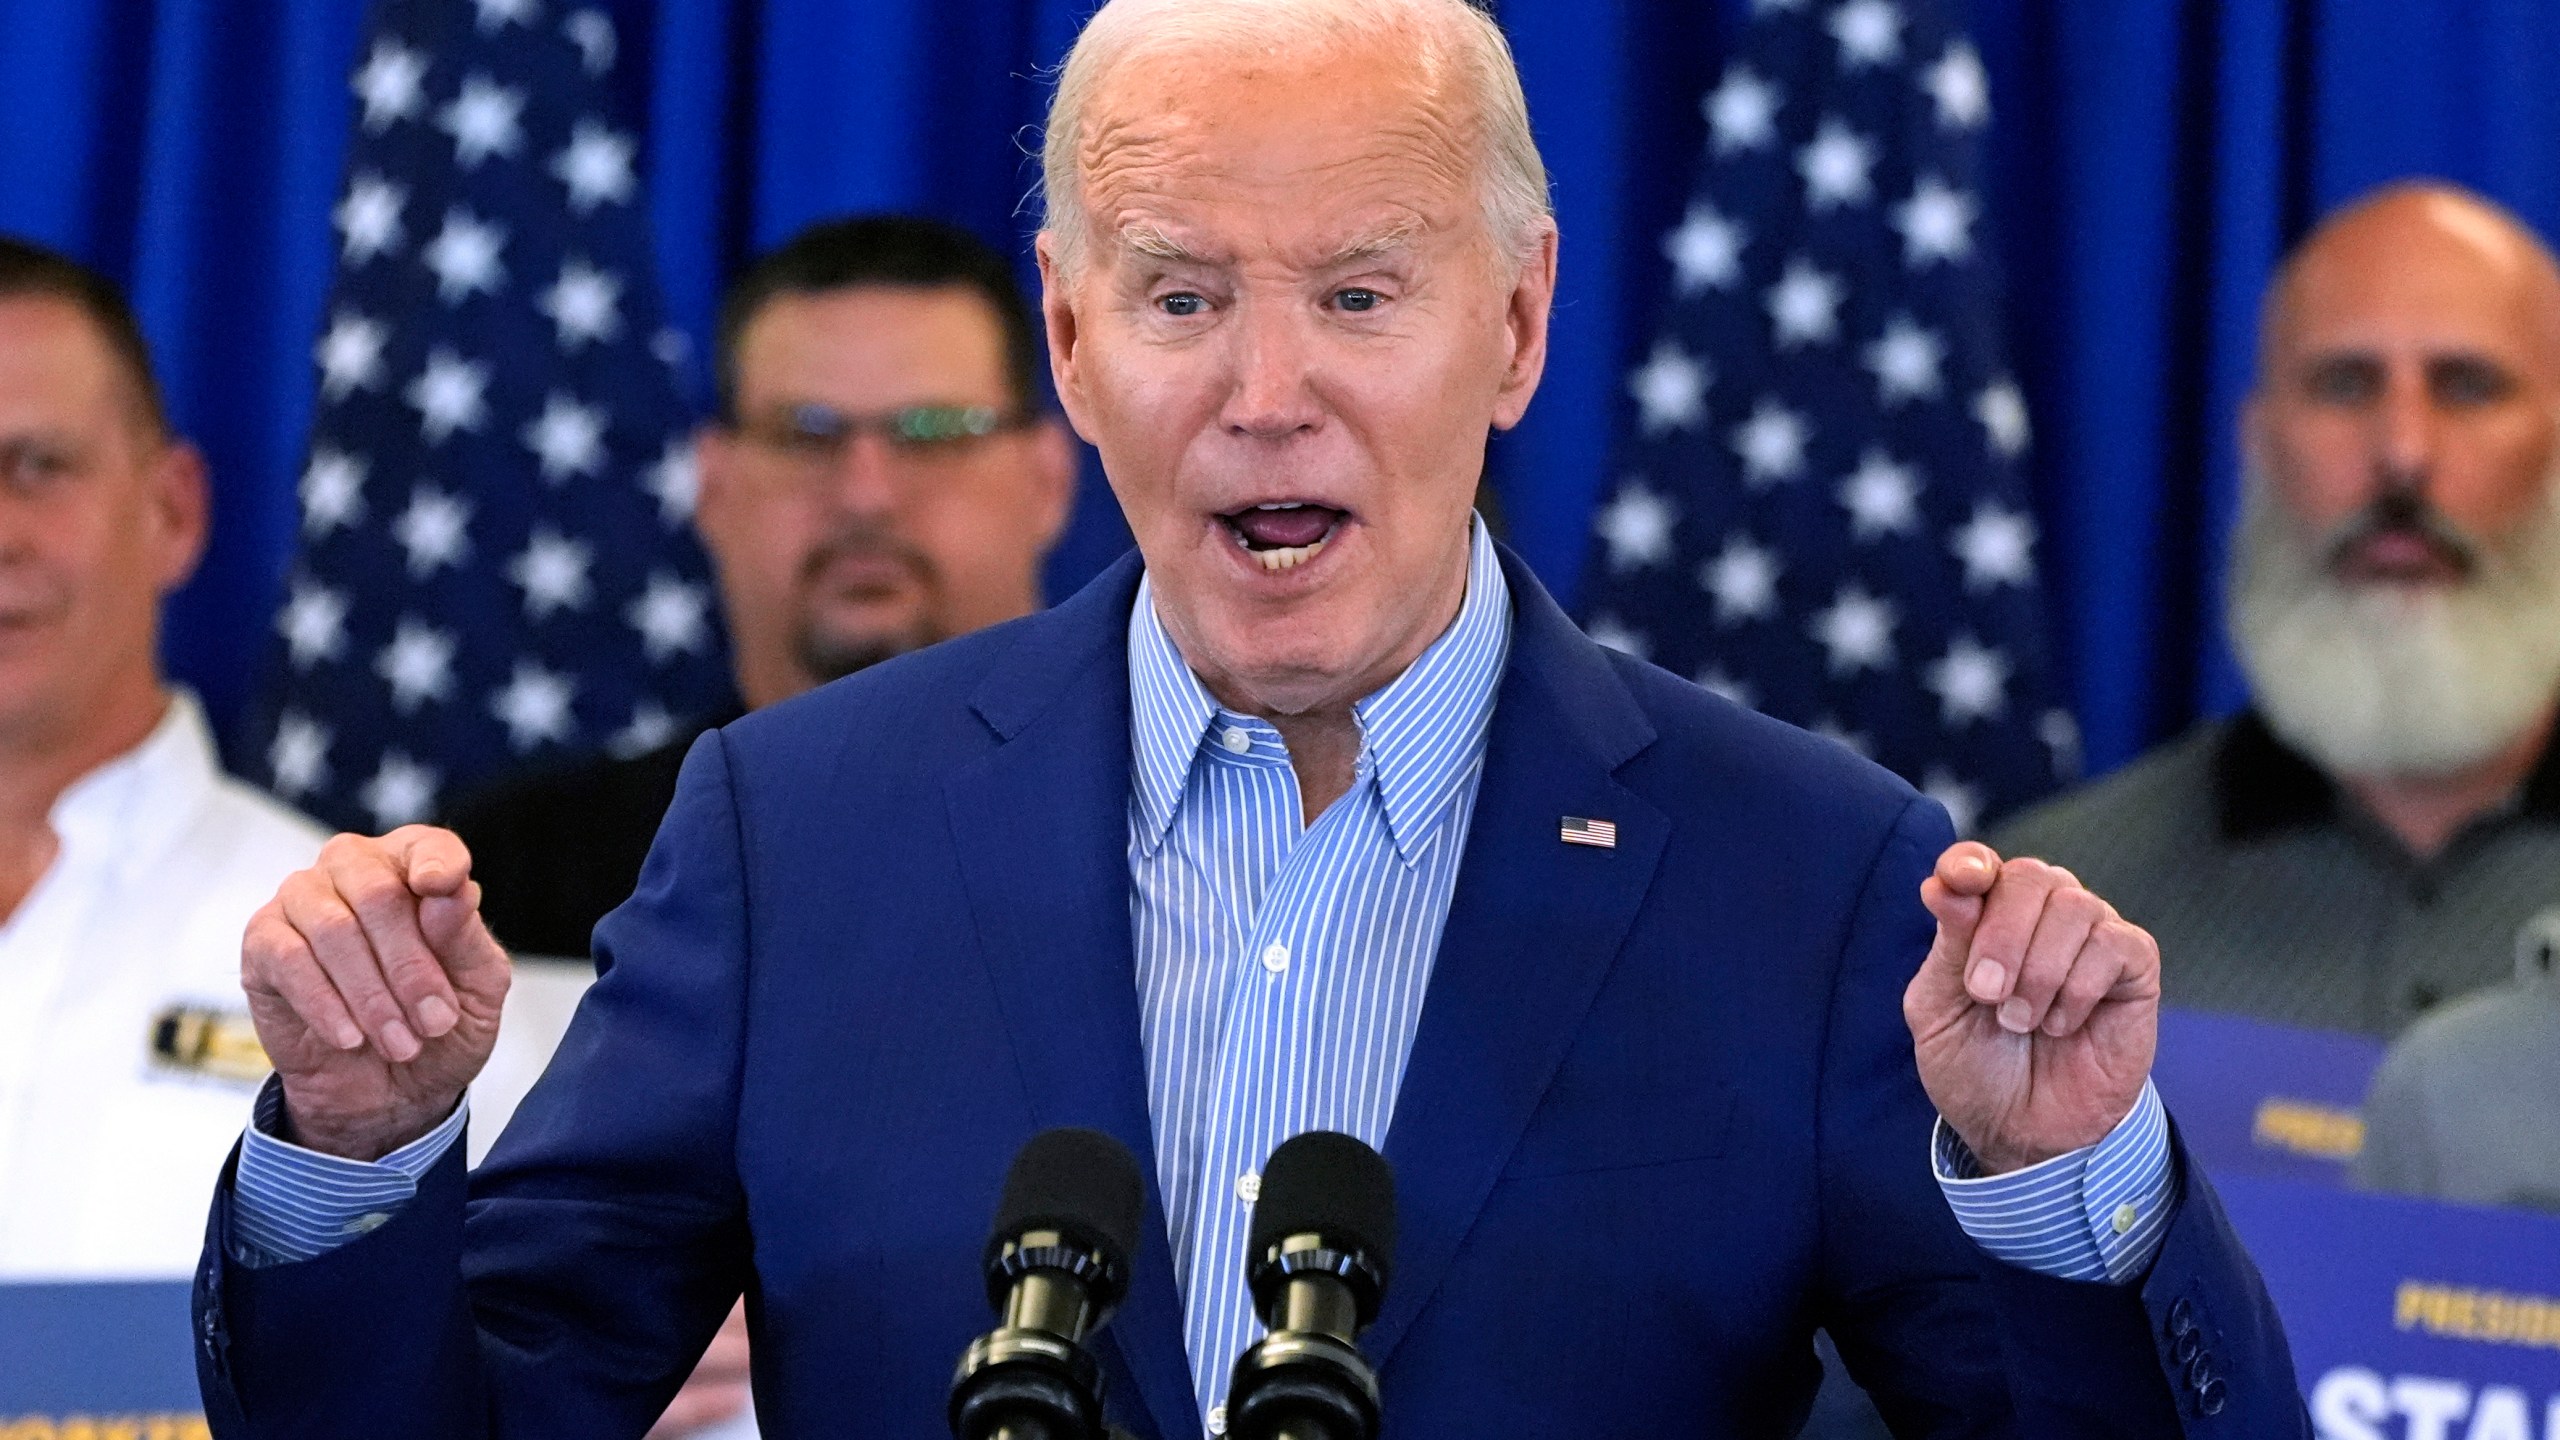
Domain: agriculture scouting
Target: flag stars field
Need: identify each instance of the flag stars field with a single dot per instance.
(495, 564)
(1893, 606)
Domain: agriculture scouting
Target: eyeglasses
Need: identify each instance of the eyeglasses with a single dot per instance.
(816, 436)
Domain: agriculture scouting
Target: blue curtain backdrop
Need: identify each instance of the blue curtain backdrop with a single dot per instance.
(2151, 159)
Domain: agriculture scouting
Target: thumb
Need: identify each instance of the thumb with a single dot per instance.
(435, 862)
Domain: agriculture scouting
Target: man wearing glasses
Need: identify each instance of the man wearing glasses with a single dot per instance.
(881, 475)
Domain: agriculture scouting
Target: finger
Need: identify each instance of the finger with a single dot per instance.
(274, 959)
(474, 962)
(432, 861)
(337, 942)
(374, 887)
(2009, 916)
(2053, 956)
(1968, 867)
(2094, 975)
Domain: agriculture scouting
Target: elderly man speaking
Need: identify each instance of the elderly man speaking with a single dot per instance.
(1316, 814)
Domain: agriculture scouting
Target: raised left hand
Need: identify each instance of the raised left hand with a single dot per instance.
(2037, 1011)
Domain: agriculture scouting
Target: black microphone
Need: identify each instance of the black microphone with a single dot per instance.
(1323, 1242)
(1056, 1266)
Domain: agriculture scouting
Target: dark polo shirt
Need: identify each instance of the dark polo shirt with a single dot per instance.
(2274, 894)
(554, 850)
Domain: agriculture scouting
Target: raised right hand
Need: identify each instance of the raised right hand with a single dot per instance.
(375, 989)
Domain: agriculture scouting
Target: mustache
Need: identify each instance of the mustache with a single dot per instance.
(2401, 512)
(862, 540)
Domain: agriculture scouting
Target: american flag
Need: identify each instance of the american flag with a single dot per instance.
(496, 563)
(1820, 510)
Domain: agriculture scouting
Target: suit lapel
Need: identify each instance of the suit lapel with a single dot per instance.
(1533, 927)
(1041, 826)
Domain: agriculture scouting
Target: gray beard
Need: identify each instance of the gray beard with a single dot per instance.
(2385, 680)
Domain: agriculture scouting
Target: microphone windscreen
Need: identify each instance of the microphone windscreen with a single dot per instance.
(1332, 1185)
(1081, 1183)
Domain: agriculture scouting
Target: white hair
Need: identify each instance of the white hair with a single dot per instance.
(2390, 680)
(1452, 36)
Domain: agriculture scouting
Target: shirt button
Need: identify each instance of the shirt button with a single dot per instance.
(1236, 740)
(1217, 1419)
(1275, 957)
(1249, 1187)
(2126, 1218)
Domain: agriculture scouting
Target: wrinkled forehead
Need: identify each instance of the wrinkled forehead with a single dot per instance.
(1332, 152)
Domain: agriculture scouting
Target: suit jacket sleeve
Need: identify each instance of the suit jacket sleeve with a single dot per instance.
(2192, 1349)
(567, 1287)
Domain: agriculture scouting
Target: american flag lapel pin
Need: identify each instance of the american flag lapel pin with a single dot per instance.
(1598, 834)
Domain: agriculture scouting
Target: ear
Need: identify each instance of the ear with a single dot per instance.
(715, 483)
(179, 512)
(1533, 297)
(1058, 318)
(1053, 481)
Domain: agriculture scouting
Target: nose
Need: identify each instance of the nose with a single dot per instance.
(866, 476)
(1272, 397)
(2407, 431)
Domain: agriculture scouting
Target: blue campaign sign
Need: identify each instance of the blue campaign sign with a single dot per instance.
(103, 1360)
(2252, 1098)
(2410, 1319)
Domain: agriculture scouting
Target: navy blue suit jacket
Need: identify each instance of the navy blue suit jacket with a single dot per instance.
(1661, 1119)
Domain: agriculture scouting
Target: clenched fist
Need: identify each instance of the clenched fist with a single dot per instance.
(2037, 1011)
(375, 989)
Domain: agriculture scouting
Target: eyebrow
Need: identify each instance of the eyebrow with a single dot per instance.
(1151, 241)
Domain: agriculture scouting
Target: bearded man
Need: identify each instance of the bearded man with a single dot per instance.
(2373, 836)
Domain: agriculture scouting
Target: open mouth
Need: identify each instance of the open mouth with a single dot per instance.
(1284, 534)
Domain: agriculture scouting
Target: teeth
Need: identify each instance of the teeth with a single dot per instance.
(1287, 559)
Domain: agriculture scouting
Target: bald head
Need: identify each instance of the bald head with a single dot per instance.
(2416, 247)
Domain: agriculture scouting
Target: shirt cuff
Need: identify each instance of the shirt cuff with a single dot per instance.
(290, 1204)
(2098, 1213)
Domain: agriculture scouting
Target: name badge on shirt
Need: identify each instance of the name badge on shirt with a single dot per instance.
(216, 1044)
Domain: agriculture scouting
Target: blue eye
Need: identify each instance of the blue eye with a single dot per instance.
(1359, 300)
(1183, 304)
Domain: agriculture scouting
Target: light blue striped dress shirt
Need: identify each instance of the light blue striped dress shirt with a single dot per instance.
(1281, 965)
(1281, 969)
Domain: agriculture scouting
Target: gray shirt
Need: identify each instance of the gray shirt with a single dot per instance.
(2274, 895)
(2467, 1104)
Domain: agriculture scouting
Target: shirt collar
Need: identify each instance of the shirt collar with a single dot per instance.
(2262, 785)
(121, 813)
(1421, 735)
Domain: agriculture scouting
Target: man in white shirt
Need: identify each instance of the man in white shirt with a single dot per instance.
(128, 861)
